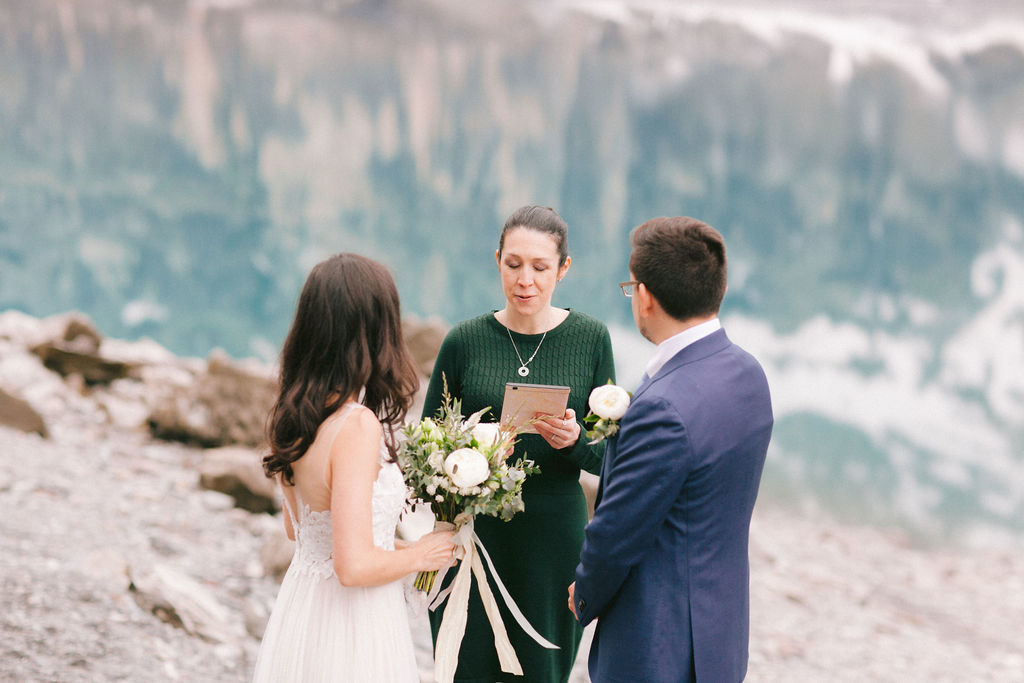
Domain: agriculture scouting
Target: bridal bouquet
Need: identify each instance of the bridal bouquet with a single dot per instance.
(608, 403)
(457, 468)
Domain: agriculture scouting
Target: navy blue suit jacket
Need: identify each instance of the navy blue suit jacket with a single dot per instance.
(664, 567)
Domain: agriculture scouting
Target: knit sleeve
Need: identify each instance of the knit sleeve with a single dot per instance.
(589, 456)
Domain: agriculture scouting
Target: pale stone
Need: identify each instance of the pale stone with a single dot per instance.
(182, 602)
(17, 413)
(276, 553)
(238, 472)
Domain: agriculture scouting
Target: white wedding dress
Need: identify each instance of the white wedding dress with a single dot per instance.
(320, 630)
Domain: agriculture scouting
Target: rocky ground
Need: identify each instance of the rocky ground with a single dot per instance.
(116, 564)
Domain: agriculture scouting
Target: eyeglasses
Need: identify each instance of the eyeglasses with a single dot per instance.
(627, 288)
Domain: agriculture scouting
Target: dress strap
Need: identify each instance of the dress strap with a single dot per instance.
(338, 420)
(287, 503)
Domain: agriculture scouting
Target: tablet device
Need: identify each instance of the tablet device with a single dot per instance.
(523, 401)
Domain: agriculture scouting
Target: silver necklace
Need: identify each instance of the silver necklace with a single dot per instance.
(523, 370)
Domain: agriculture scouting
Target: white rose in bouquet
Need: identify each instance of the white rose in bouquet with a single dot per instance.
(416, 522)
(467, 467)
(460, 468)
(486, 434)
(609, 402)
(435, 458)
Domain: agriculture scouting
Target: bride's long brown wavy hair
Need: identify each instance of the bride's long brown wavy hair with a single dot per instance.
(346, 336)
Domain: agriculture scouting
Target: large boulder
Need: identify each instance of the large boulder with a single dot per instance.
(227, 404)
(72, 347)
(182, 602)
(238, 473)
(424, 337)
(92, 367)
(18, 414)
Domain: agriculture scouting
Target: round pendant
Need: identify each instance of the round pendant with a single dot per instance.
(524, 371)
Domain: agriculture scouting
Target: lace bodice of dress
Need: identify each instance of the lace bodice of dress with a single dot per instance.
(313, 547)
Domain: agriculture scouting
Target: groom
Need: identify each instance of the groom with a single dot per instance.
(664, 566)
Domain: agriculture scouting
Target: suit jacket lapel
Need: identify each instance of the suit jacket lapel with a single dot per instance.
(644, 381)
(702, 348)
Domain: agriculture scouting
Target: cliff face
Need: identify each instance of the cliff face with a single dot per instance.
(174, 169)
(170, 153)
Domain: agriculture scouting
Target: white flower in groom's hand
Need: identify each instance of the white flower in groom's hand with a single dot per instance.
(608, 404)
(467, 467)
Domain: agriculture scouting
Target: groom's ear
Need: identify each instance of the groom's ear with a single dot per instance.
(645, 300)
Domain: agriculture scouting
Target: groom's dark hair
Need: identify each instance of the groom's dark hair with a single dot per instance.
(681, 261)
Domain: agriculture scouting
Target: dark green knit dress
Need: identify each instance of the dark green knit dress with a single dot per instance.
(537, 552)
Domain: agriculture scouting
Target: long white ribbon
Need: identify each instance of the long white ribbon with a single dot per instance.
(453, 624)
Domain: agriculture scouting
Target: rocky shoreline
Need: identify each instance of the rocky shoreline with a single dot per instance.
(128, 556)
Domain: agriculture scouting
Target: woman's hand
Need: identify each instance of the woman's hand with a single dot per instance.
(559, 432)
(435, 551)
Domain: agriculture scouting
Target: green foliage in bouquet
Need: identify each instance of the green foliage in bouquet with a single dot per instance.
(459, 465)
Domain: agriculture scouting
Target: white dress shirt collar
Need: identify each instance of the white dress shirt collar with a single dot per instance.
(678, 342)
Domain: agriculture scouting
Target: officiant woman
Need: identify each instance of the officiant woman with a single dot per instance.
(529, 340)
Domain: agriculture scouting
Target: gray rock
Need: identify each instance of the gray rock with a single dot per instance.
(69, 344)
(72, 330)
(255, 615)
(182, 602)
(90, 366)
(227, 404)
(18, 414)
(424, 341)
(238, 473)
(276, 553)
(80, 334)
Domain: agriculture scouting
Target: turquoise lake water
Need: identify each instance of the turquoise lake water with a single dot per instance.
(174, 169)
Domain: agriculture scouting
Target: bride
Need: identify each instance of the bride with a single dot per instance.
(346, 384)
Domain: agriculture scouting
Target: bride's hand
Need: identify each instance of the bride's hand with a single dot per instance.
(559, 432)
(435, 551)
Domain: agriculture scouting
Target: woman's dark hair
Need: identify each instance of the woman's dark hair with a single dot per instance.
(682, 263)
(346, 336)
(541, 219)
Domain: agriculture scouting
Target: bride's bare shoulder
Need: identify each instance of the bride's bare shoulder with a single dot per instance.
(364, 415)
(356, 444)
(360, 422)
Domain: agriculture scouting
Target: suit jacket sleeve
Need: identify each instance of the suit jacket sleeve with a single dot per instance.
(651, 462)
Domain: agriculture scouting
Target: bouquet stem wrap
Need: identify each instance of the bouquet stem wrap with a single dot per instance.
(469, 549)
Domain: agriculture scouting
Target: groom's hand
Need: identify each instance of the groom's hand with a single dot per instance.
(572, 602)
